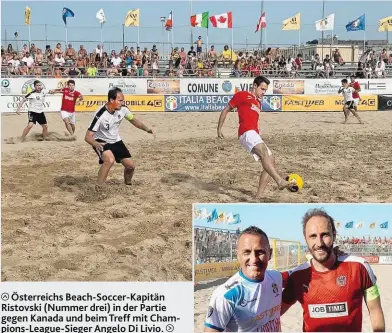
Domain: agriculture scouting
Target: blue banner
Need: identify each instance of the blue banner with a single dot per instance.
(356, 25)
(67, 13)
(213, 103)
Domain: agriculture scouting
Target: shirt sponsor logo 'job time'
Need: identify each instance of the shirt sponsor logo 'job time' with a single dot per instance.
(328, 310)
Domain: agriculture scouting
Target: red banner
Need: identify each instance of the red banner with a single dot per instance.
(371, 259)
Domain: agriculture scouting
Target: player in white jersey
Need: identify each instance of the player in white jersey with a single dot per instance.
(249, 301)
(35, 114)
(349, 103)
(103, 136)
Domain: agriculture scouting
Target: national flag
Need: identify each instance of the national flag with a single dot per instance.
(229, 218)
(372, 225)
(385, 24)
(67, 13)
(359, 225)
(327, 23)
(349, 224)
(133, 18)
(236, 218)
(101, 16)
(27, 15)
(196, 214)
(337, 225)
(384, 225)
(224, 20)
(200, 20)
(356, 25)
(292, 23)
(221, 217)
(169, 22)
(262, 24)
(203, 213)
(213, 217)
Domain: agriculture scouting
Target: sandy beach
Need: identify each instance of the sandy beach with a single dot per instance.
(55, 226)
(292, 320)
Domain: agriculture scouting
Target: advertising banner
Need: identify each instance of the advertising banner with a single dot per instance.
(271, 103)
(199, 86)
(134, 102)
(161, 86)
(371, 259)
(205, 272)
(385, 102)
(282, 87)
(196, 103)
(385, 260)
(331, 86)
(11, 103)
(325, 103)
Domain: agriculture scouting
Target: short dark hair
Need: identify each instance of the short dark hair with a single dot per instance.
(253, 230)
(260, 79)
(71, 81)
(112, 94)
(344, 81)
(36, 82)
(321, 213)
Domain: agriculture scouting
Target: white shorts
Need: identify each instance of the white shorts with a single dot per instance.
(69, 115)
(249, 140)
(356, 101)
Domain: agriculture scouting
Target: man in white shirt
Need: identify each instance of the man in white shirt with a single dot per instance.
(116, 61)
(99, 50)
(349, 104)
(28, 59)
(380, 69)
(103, 136)
(36, 114)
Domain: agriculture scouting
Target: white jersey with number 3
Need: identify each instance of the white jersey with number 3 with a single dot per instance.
(106, 125)
(348, 94)
(245, 305)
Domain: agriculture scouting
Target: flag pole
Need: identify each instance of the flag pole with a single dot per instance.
(207, 42)
(191, 24)
(123, 35)
(232, 41)
(322, 35)
(172, 31)
(29, 37)
(261, 30)
(330, 45)
(138, 35)
(66, 33)
(101, 35)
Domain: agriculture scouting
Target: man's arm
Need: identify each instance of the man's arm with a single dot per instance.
(222, 119)
(138, 123)
(375, 310)
(89, 138)
(340, 90)
(56, 91)
(24, 99)
(209, 329)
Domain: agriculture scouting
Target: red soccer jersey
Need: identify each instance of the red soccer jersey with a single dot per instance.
(356, 86)
(248, 109)
(332, 300)
(69, 100)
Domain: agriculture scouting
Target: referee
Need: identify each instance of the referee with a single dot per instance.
(103, 136)
(36, 114)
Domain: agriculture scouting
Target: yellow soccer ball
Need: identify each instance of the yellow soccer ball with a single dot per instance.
(297, 180)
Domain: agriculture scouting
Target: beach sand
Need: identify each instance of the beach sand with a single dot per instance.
(292, 320)
(56, 226)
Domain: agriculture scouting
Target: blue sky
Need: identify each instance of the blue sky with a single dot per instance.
(284, 220)
(85, 27)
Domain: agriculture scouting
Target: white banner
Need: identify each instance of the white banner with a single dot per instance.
(22, 86)
(386, 260)
(11, 103)
(330, 87)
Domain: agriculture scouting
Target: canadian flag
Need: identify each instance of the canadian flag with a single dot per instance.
(169, 22)
(222, 20)
(262, 24)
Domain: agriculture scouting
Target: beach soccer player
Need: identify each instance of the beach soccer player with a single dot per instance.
(250, 300)
(357, 87)
(69, 99)
(248, 108)
(349, 103)
(332, 287)
(103, 136)
(36, 100)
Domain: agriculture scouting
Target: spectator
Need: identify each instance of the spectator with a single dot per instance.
(154, 52)
(212, 55)
(112, 71)
(48, 51)
(175, 57)
(337, 58)
(82, 52)
(368, 71)
(154, 65)
(192, 52)
(81, 64)
(92, 70)
(138, 58)
(70, 53)
(58, 73)
(58, 59)
(9, 48)
(25, 49)
(298, 62)
(116, 61)
(99, 50)
(199, 46)
(183, 56)
(228, 56)
(328, 66)
(33, 50)
(380, 69)
(72, 71)
(384, 56)
(28, 61)
(315, 61)
(39, 57)
(146, 68)
(104, 62)
(58, 51)
(15, 64)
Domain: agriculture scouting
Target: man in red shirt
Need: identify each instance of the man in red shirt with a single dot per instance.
(331, 287)
(70, 96)
(357, 87)
(248, 108)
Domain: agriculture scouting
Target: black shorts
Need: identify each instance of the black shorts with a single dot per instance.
(119, 150)
(35, 117)
(349, 105)
(199, 49)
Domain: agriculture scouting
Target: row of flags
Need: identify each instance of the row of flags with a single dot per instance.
(225, 20)
(216, 217)
(373, 225)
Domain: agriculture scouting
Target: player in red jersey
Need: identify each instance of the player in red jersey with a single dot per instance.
(248, 108)
(357, 87)
(330, 287)
(70, 96)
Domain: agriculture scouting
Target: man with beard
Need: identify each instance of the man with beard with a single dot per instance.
(330, 287)
(250, 300)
